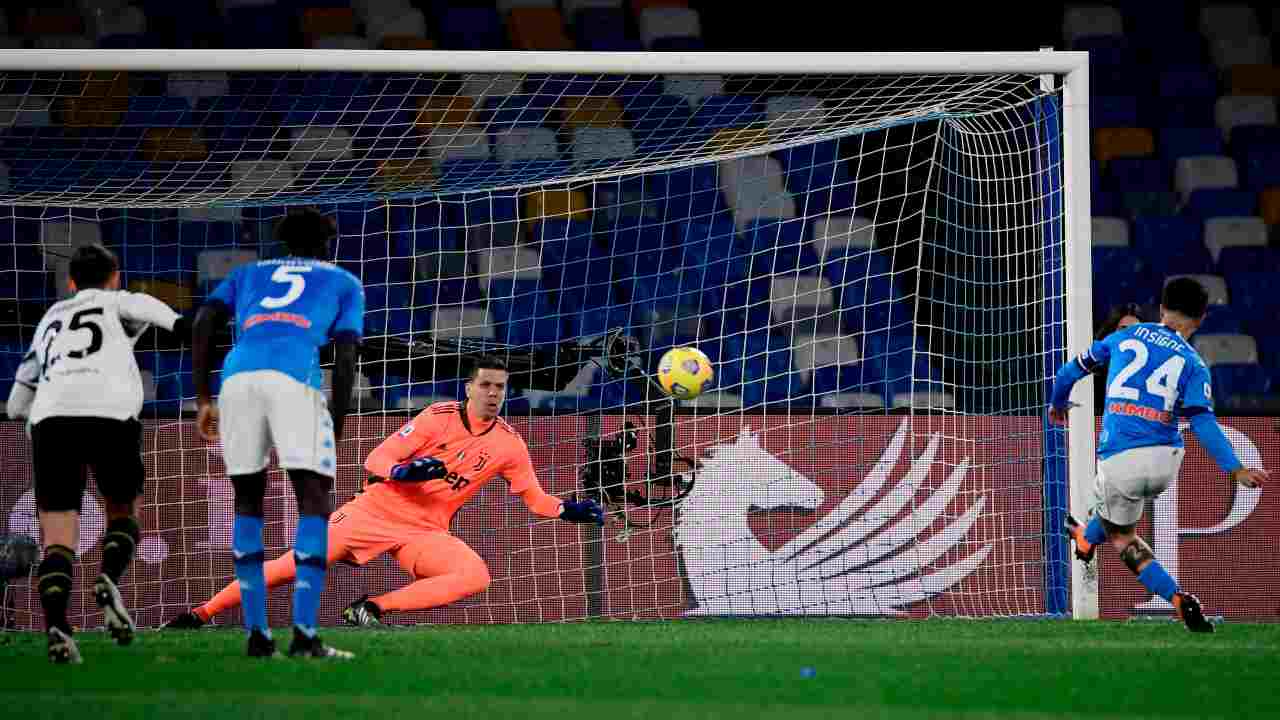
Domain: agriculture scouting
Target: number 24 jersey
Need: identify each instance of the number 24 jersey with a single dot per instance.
(1154, 376)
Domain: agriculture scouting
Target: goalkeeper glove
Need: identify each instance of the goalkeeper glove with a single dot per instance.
(419, 470)
(586, 511)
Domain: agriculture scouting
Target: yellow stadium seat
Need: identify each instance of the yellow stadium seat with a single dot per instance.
(1255, 80)
(537, 28)
(588, 111)
(1269, 201)
(560, 203)
(415, 174)
(174, 145)
(178, 295)
(734, 139)
(1111, 143)
(102, 100)
(447, 111)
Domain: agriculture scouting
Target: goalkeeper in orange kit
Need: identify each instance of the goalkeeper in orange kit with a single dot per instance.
(431, 466)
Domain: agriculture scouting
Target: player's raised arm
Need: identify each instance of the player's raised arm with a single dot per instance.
(146, 310)
(1072, 372)
(524, 483)
(1197, 406)
(212, 314)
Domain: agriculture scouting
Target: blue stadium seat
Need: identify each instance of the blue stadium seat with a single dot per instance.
(1150, 202)
(657, 120)
(693, 193)
(1188, 82)
(1118, 277)
(1261, 169)
(1161, 111)
(525, 316)
(1253, 295)
(1107, 204)
(1249, 139)
(603, 29)
(260, 26)
(1240, 260)
(559, 240)
(471, 28)
(1139, 174)
(1113, 111)
(1177, 142)
(722, 111)
(1221, 202)
(1231, 379)
(515, 110)
(777, 246)
(1221, 319)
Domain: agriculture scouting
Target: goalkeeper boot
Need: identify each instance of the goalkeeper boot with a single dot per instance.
(62, 648)
(312, 647)
(186, 621)
(119, 623)
(1189, 610)
(260, 645)
(363, 612)
(1085, 550)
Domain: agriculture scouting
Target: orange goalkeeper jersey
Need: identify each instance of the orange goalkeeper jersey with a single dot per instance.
(472, 453)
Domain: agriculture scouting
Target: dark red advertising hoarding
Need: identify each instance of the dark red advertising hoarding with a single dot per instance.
(897, 516)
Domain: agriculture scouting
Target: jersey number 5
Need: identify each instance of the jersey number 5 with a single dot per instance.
(1162, 382)
(297, 283)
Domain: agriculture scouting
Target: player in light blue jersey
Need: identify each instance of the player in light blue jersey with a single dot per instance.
(1155, 377)
(285, 310)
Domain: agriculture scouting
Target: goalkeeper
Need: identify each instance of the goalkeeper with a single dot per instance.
(432, 466)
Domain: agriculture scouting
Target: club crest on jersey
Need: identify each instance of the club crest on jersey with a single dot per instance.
(481, 461)
(461, 455)
(407, 430)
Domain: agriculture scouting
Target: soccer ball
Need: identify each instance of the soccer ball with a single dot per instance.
(684, 371)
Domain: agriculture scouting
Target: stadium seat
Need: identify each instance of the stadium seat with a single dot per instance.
(525, 143)
(1149, 202)
(1173, 111)
(1261, 169)
(667, 22)
(725, 111)
(834, 233)
(657, 120)
(789, 115)
(471, 27)
(1236, 231)
(579, 111)
(592, 146)
(1221, 319)
(853, 400)
(1162, 235)
(601, 29)
(1232, 111)
(1228, 20)
(1195, 83)
(754, 187)
(1088, 21)
(805, 303)
(1220, 202)
(1114, 111)
(1177, 143)
(505, 265)
(1269, 202)
(1250, 139)
(1225, 348)
(461, 321)
(1204, 172)
(719, 401)
(1138, 174)
(1248, 50)
(776, 245)
(537, 28)
(694, 89)
(825, 351)
(1110, 232)
(1235, 379)
(1113, 142)
(1237, 260)
(1255, 80)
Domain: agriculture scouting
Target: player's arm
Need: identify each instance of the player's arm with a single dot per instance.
(25, 381)
(146, 310)
(1072, 372)
(346, 333)
(1197, 407)
(212, 315)
(524, 483)
(394, 457)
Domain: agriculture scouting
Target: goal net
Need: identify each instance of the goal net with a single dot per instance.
(874, 261)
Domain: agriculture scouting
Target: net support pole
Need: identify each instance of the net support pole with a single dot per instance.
(1079, 309)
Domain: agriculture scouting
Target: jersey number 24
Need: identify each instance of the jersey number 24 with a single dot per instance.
(1162, 382)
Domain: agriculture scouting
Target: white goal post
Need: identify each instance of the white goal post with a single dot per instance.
(1063, 73)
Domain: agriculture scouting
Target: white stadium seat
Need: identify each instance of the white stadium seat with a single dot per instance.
(716, 401)
(793, 296)
(1110, 232)
(837, 232)
(263, 178)
(411, 23)
(1090, 20)
(320, 142)
(1231, 111)
(505, 263)
(1221, 232)
(1248, 50)
(468, 142)
(25, 110)
(693, 88)
(668, 22)
(1226, 348)
(809, 353)
(482, 85)
(525, 143)
(461, 321)
(601, 144)
(792, 114)
(754, 187)
(1215, 285)
(128, 20)
(924, 400)
(212, 265)
(196, 85)
(1230, 21)
(1204, 172)
(846, 400)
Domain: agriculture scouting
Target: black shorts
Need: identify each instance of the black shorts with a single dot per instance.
(64, 448)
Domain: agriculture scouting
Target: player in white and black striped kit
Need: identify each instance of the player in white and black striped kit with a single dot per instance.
(82, 391)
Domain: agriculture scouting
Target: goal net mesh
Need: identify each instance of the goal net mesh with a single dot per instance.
(873, 263)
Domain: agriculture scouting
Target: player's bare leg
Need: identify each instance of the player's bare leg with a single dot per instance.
(60, 531)
(1141, 561)
(118, 547)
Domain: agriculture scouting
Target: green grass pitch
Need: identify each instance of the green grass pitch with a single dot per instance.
(704, 669)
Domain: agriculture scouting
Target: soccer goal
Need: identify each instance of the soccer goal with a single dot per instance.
(885, 255)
